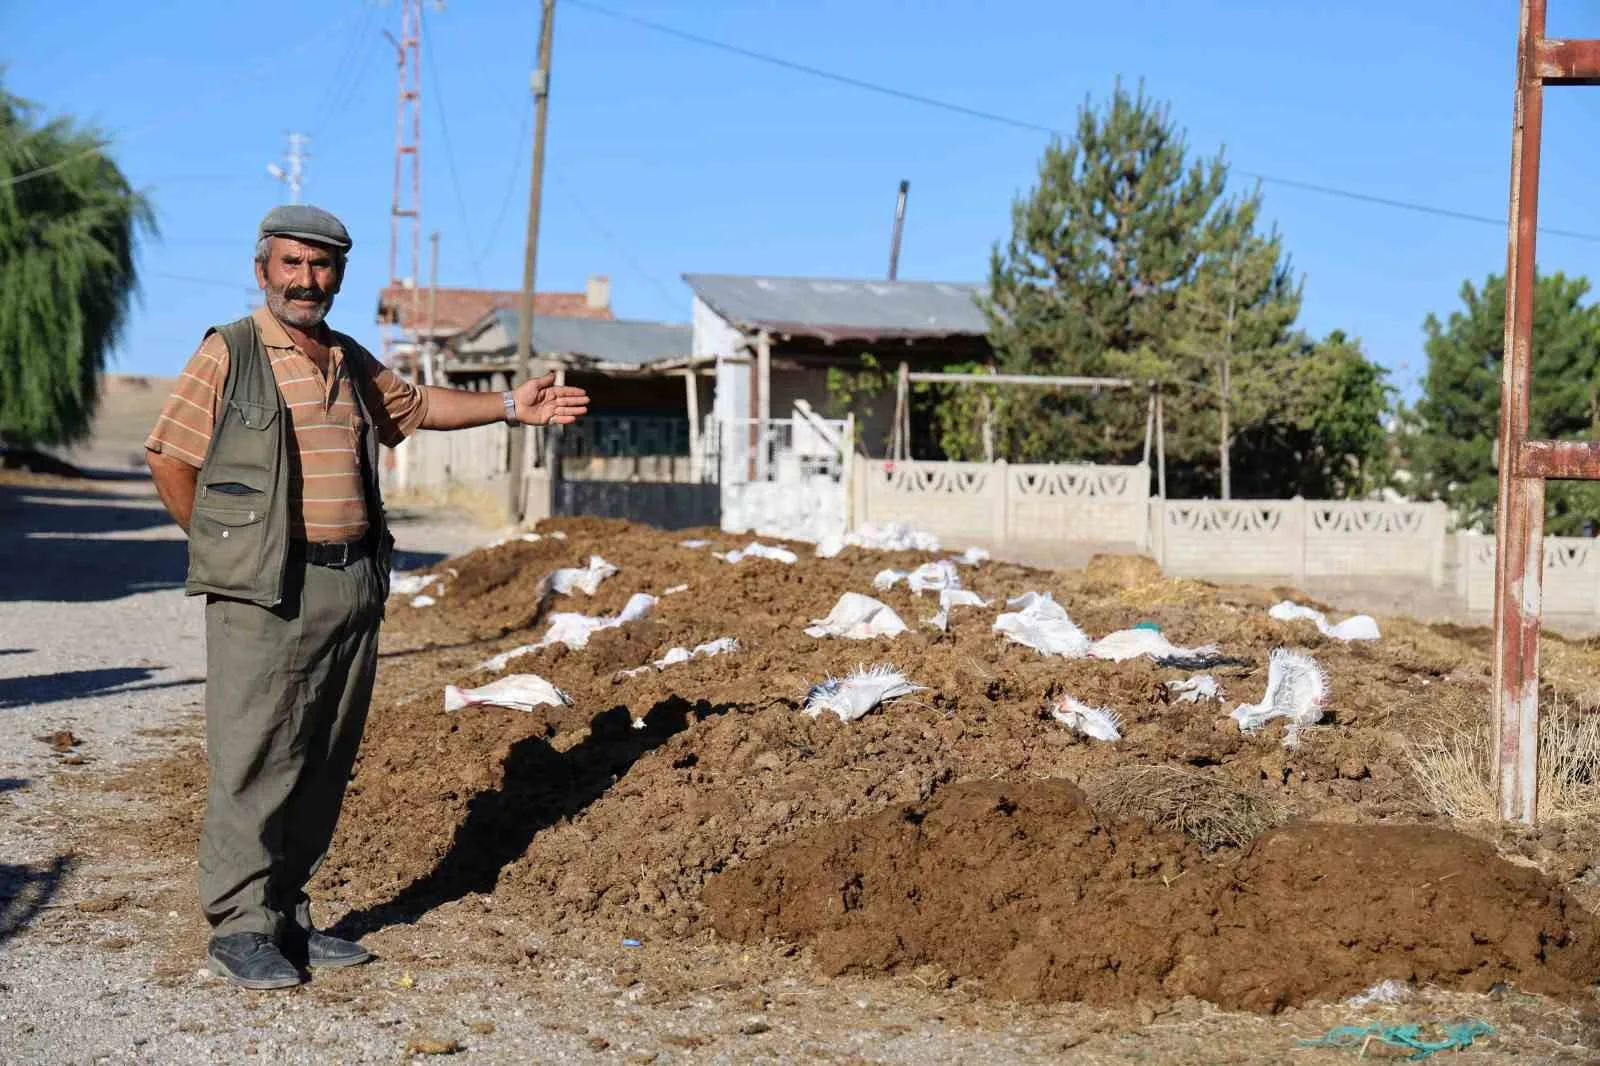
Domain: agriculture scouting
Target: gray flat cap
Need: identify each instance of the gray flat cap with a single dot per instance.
(307, 223)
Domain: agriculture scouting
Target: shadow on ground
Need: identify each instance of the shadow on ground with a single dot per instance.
(91, 543)
(542, 787)
(27, 890)
(81, 684)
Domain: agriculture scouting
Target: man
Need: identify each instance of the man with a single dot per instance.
(266, 455)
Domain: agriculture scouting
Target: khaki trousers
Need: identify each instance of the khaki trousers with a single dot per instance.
(287, 690)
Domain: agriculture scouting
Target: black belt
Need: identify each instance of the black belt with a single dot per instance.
(334, 555)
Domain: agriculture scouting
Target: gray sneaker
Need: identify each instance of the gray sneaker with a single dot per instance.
(251, 960)
(312, 948)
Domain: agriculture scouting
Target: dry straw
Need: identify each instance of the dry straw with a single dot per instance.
(1205, 808)
(1452, 767)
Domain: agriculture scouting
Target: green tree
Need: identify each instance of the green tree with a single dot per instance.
(1090, 279)
(1450, 447)
(1231, 367)
(69, 222)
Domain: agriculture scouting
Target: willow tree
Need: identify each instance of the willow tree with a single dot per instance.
(69, 223)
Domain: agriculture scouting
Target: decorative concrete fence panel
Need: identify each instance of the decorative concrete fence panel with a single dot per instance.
(1215, 538)
(999, 503)
(1100, 504)
(1300, 539)
(1571, 574)
(1368, 539)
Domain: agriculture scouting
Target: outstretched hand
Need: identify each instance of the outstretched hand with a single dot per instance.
(542, 402)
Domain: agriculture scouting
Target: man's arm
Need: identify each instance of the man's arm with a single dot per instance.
(175, 483)
(539, 402)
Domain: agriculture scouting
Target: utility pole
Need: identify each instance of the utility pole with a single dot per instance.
(293, 170)
(432, 375)
(899, 226)
(530, 264)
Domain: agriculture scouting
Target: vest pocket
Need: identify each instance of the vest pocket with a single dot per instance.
(226, 545)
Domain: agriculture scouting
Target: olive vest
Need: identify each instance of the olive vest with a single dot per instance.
(239, 531)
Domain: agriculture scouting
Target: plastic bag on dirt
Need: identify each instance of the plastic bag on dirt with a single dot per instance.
(674, 590)
(1297, 689)
(755, 550)
(1127, 644)
(519, 692)
(1197, 688)
(889, 537)
(949, 598)
(574, 630)
(585, 579)
(696, 543)
(527, 537)
(500, 661)
(929, 577)
(857, 617)
(973, 556)
(1100, 723)
(1040, 623)
(423, 601)
(1356, 627)
(720, 646)
(853, 696)
(409, 584)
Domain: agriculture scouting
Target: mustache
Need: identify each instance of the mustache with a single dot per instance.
(296, 293)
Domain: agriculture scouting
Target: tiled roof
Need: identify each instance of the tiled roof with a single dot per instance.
(459, 308)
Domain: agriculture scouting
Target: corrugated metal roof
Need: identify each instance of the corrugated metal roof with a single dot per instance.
(834, 309)
(620, 341)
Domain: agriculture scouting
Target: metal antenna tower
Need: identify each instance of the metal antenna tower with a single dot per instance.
(407, 202)
(292, 173)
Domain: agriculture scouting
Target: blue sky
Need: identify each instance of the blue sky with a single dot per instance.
(665, 157)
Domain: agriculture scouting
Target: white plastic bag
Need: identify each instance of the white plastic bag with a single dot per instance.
(857, 617)
(1039, 622)
(519, 692)
(1297, 689)
(1100, 723)
(929, 577)
(1127, 644)
(720, 646)
(973, 556)
(853, 696)
(891, 536)
(755, 550)
(500, 661)
(696, 543)
(949, 598)
(1356, 627)
(409, 584)
(423, 601)
(585, 579)
(1197, 688)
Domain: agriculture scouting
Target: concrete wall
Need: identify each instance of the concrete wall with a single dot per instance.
(1299, 538)
(1571, 574)
(1003, 503)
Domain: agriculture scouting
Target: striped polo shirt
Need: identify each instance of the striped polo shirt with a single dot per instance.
(326, 504)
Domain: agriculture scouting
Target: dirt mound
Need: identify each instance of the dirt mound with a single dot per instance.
(1022, 887)
(609, 816)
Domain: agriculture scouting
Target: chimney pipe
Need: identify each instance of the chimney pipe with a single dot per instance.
(899, 226)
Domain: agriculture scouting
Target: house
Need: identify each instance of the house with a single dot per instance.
(439, 314)
(773, 340)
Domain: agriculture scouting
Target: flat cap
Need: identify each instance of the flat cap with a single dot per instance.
(306, 222)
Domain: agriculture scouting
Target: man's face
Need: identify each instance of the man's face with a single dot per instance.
(300, 280)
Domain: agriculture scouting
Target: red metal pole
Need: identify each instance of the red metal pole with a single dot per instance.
(1519, 519)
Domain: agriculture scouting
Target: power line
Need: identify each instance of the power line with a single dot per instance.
(274, 65)
(505, 199)
(449, 149)
(607, 236)
(1035, 127)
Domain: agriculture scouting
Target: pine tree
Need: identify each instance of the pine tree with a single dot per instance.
(68, 225)
(1099, 251)
(1233, 364)
(1451, 446)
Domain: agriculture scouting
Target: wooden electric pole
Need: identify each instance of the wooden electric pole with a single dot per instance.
(530, 265)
